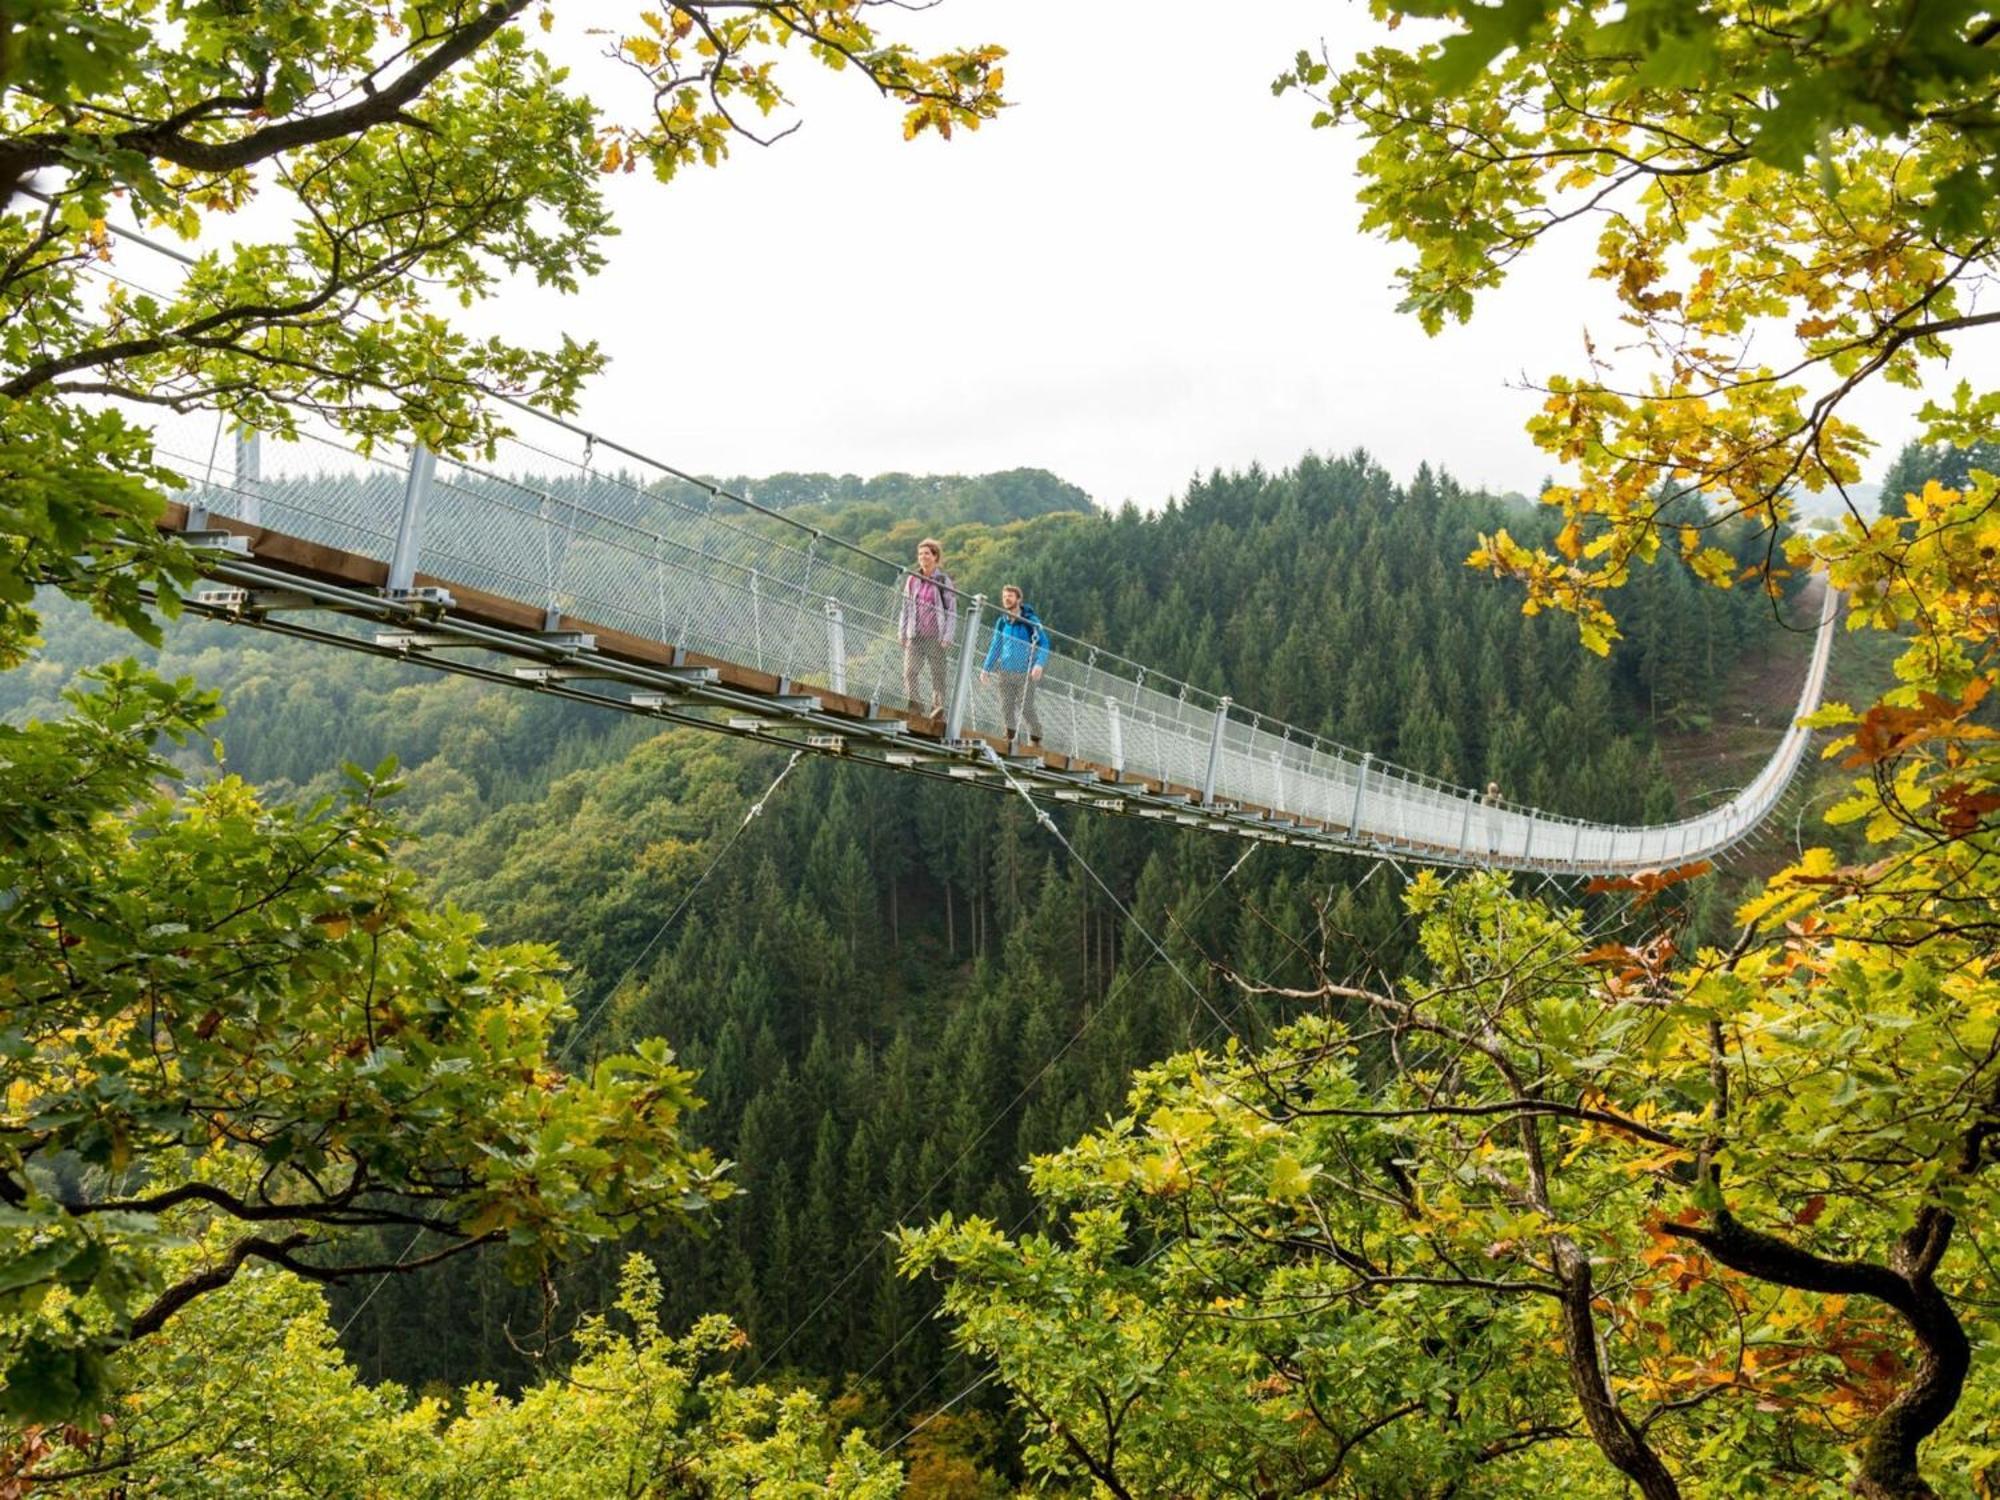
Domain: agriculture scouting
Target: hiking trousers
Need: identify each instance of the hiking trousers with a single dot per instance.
(920, 653)
(1017, 705)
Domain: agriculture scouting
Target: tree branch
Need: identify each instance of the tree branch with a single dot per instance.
(165, 142)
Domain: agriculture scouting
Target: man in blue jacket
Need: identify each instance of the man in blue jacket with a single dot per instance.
(1019, 650)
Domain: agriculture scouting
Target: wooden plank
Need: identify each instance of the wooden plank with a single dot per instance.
(312, 559)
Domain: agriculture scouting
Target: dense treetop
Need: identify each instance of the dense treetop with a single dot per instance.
(1789, 201)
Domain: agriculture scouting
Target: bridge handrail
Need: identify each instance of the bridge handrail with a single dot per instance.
(618, 548)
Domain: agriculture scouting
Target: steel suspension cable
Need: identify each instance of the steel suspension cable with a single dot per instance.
(1089, 1020)
(1041, 815)
(583, 1022)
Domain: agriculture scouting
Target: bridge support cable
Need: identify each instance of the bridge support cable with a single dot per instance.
(1041, 815)
(1091, 1017)
(583, 1022)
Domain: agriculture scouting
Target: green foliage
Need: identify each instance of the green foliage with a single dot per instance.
(1793, 202)
(78, 486)
(1305, 1271)
(253, 1398)
(1428, 1240)
(1918, 464)
(246, 1025)
(636, 1410)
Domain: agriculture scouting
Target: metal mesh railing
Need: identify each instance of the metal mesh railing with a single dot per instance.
(595, 534)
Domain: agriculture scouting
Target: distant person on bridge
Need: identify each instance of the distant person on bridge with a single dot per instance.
(1017, 655)
(929, 621)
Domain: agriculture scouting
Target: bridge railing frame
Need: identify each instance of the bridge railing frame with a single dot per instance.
(649, 549)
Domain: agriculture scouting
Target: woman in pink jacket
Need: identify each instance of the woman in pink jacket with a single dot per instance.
(929, 621)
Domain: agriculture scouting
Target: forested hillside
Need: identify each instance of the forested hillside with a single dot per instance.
(896, 992)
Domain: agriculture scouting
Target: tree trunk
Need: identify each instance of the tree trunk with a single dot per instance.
(1889, 1453)
(1888, 1458)
(1620, 1442)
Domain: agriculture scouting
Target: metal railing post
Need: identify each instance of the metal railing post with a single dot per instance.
(410, 526)
(1528, 840)
(1117, 732)
(961, 687)
(1465, 829)
(757, 620)
(1360, 785)
(1576, 844)
(250, 475)
(836, 647)
(1214, 753)
(551, 606)
(660, 586)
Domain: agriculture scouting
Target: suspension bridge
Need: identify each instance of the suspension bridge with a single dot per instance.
(569, 564)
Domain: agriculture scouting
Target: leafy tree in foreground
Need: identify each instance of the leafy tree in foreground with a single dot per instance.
(253, 1399)
(1791, 201)
(1823, 173)
(246, 1026)
(236, 1024)
(1416, 1246)
(424, 149)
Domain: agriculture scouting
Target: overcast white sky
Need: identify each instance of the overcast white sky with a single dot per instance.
(1147, 269)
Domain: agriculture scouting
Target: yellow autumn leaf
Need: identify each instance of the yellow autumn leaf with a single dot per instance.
(1288, 1179)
